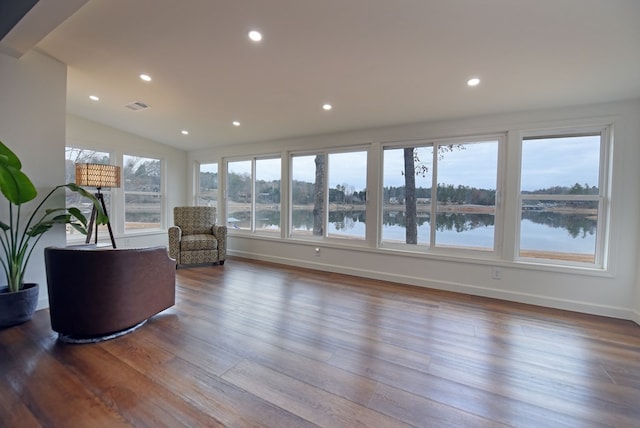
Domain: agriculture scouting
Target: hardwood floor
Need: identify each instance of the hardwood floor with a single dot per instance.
(255, 344)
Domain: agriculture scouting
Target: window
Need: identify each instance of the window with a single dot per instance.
(395, 216)
(239, 194)
(75, 155)
(253, 194)
(466, 195)
(307, 195)
(208, 185)
(142, 193)
(562, 198)
(328, 194)
(458, 211)
(267, 201)
(347, 194)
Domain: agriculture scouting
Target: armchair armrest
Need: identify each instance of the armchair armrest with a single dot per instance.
(220, 232)
(175, 233)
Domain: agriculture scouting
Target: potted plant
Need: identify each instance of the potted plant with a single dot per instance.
(19, 235)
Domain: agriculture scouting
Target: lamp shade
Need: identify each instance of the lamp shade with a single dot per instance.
(97, 175)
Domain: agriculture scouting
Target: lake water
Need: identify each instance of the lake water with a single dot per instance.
(566, 233)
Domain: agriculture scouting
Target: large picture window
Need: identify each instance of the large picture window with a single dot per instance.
(563, 198)
(328, 195)
(441, 194)
(307, 195)
(347, 182)
(399, 224)
(253, 194)
(239, 194)
(142, 193)
(267, 201)
(207, 193)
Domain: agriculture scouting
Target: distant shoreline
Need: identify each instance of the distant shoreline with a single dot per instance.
(421, 208)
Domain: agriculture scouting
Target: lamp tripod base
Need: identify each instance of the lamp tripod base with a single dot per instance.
(94, 217)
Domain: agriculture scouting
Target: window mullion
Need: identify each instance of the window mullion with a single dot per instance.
(254, 195)
(434, 196)
(325, 220)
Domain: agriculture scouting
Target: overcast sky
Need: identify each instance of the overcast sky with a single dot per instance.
(547, 163)
(556, 162)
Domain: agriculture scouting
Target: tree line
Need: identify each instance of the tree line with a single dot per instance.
(268, 191)
(239, 187)
(445, 193)
(576, 189)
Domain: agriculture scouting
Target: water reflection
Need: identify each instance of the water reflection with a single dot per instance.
(346, 220)
(462, 222)
(577, 225)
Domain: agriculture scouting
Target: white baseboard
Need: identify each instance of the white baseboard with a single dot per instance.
(43, 302)
(527, 298)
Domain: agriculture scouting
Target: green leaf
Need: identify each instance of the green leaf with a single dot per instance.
(10, 158)
(102, 217)
(14, 184)
(76, 213)
(39, 229)
(79, 228)
(62, 218)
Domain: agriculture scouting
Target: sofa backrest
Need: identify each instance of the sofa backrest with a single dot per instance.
(98, 291)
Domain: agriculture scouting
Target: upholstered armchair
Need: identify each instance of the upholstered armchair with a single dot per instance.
(196, 238)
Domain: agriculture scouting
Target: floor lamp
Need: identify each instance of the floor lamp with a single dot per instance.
(98, 175)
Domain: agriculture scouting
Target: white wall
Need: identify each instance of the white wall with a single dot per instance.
(636, 303)
(608, 293)
(635, 316)
(92, 135)
(32, 115)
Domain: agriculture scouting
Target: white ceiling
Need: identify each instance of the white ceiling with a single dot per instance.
(379, 62)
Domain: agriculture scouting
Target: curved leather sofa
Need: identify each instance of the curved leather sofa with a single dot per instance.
(101, 293)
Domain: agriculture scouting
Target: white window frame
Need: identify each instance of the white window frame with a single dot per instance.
(603, 198)
(161, 193)
(252, 229)
(326, 236)
(431, 247)
(197, 195)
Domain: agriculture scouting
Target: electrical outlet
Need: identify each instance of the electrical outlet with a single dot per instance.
(496, 273)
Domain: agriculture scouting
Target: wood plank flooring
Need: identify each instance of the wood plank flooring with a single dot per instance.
(256, 344)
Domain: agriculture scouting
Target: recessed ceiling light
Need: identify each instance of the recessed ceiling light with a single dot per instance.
(256, 36)
(145, 77)
(184, 132)
(473, 82)
(235, 123)
(327, 106)
(94, 98)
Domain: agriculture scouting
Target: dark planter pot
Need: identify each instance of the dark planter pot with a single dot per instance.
(17, 308)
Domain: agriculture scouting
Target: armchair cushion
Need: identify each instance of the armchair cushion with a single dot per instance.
(198, 242)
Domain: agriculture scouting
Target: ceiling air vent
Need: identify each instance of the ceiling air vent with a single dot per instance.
(137, 105)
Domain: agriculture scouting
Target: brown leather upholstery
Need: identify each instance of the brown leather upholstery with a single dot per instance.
(95, 292)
